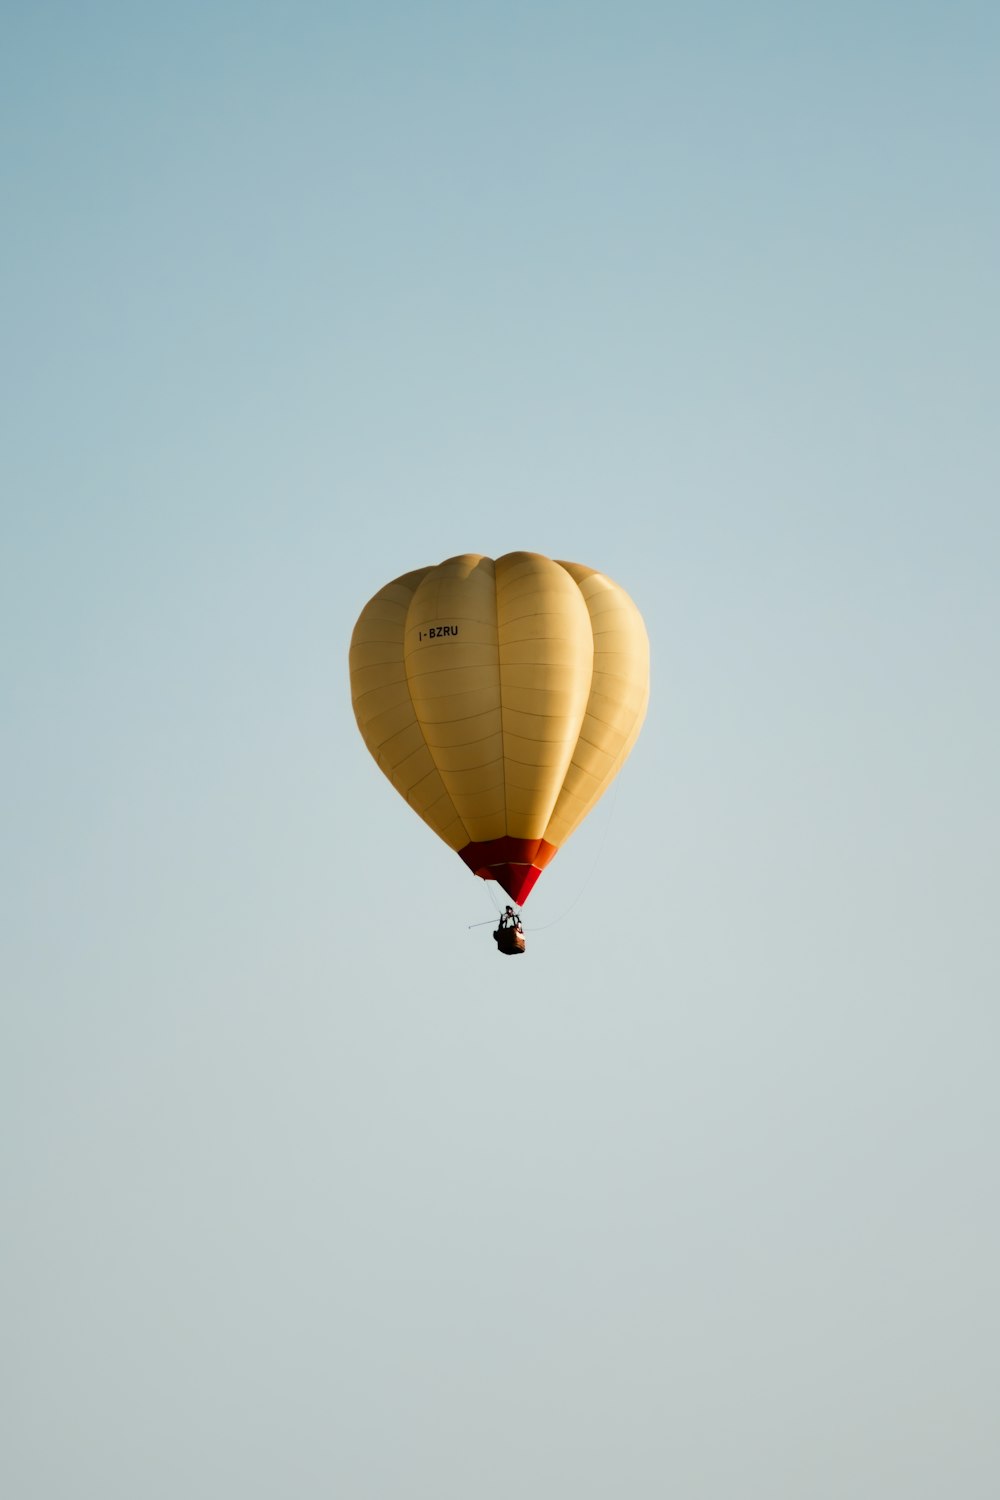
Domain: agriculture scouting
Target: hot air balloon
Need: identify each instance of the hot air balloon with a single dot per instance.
(501, 698)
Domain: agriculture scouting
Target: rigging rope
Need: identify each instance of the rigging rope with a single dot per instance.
(612, 804)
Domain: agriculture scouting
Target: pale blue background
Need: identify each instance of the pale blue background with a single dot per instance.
(307, 1192)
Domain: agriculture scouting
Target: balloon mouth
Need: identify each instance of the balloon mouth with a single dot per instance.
(515, 864)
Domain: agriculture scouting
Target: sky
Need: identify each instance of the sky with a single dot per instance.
(306, 1191)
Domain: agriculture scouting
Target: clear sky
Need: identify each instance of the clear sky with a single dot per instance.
(307, 1192)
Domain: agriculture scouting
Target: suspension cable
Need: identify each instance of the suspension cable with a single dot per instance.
(613, 803)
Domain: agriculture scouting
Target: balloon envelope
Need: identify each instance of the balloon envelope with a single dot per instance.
(501, 699)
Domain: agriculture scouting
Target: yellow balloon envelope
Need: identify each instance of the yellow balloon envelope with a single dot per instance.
(501, 699)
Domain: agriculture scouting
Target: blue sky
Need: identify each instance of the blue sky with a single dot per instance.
(308, 1190)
